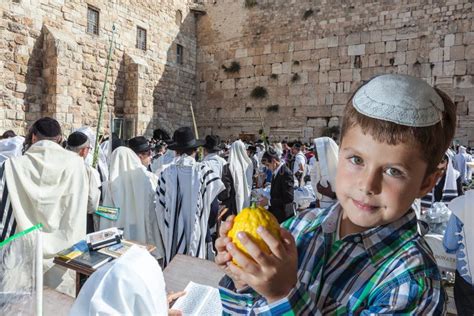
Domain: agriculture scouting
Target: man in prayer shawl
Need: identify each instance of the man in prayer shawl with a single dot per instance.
(462, 158)
(102, 164)
(11, 147)
(131, 188)
(142, 148)
(211, 154)
(448, 187)
(185, 192)
(237, 178)
(46, 185)
(323, 170)
(79, 143)
(299, 163)
(212, 159)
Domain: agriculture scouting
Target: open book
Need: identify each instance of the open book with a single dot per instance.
(199, 300)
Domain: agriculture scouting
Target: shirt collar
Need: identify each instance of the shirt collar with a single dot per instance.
(380, 242)
(278, 168)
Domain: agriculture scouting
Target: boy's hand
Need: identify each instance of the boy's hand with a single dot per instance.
(274, 275)
(223, 257)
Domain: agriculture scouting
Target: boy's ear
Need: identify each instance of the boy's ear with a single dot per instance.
(429, 182)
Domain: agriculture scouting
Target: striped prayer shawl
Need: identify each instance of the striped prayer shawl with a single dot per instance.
(449, 188)
(7, 220)
(205, 186)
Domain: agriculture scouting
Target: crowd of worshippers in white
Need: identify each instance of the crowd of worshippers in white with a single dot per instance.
(168, 196)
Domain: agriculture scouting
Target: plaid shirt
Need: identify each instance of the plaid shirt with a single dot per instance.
(387, 269)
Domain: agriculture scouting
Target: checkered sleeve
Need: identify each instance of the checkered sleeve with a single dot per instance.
(414, 296)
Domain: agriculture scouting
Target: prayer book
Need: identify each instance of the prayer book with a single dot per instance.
(92, 259)
(75, 251)
(119, 249)
(103, 238)
(199, 300)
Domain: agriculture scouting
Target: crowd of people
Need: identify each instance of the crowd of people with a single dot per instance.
(356, 248)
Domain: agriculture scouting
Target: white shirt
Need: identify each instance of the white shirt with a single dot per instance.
(300, 160)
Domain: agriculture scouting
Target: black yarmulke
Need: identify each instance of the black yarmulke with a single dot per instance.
(48, 127)
(139, 144)
(77, 139)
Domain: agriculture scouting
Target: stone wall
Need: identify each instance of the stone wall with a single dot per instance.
(311, 55)
(50, 65)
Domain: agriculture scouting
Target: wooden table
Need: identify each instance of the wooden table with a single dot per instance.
(82, 272)
(183, 269)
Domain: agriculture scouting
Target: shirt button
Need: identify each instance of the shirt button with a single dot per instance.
(357, 239)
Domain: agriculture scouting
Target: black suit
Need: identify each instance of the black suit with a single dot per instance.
(281, 193)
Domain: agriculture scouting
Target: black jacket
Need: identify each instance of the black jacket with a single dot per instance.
(281, 193)
(227, 197)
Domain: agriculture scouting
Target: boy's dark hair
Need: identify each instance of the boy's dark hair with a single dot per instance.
(433, 141)
(270, 154)
(8, 134)
(297, 145)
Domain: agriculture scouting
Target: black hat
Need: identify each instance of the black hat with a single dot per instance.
(183, 138)
(77, 139)
(139, 144)
(212, 143)
(159, 134)
(47, 127)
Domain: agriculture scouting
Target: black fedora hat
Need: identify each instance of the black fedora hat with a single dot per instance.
(139, 144)
(213, 143)
(183, 138)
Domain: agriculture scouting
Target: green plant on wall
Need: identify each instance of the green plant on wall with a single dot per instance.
(273, 108)
(307, 14)
(250, 3)
(232, 68)
(259, 93)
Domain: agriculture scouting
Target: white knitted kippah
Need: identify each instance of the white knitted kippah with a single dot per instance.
(400, 99)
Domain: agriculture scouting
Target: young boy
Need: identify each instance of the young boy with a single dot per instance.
(362, 255)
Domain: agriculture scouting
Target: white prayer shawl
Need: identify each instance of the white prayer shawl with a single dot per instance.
(450, 188)
(241, 169)
(324, 168)
(102, 163)
(462, 207)
(130, 285)
(11, 147)
(49, 185)
(163, 162)
(94, 189)
(184, 230)
(132, 189)
(462, 158)
(215, 162)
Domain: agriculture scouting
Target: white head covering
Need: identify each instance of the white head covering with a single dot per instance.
(11, 147)
(131, 188)
(324, 170)
(123, 159)
(400, 99)
(103, 161)
(241, 168)
(130, 285)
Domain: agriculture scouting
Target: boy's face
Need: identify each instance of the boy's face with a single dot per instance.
(376, 183)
